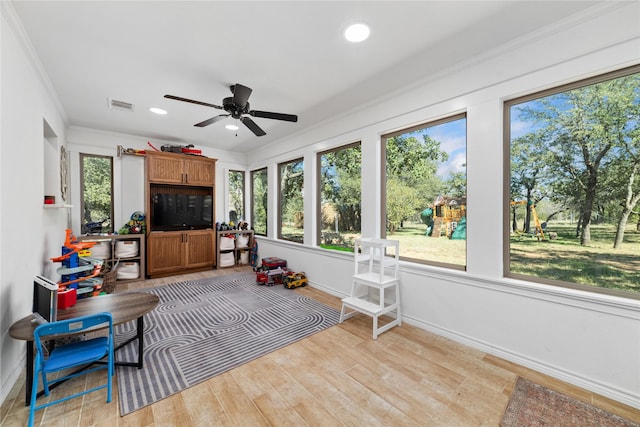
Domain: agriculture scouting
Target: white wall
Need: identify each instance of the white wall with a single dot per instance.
(29, 233)
(586, 339)
(29, 155)
(128, 171)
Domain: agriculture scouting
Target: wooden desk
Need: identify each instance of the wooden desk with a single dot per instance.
(123, 308)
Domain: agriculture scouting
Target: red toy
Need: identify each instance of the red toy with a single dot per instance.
(271, 277)
(273, 263)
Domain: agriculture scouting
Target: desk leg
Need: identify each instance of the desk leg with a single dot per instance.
(29, 379)
(140, 331)
(138, 336)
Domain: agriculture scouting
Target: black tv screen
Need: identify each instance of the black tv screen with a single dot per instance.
(172, 212)
(45, 300)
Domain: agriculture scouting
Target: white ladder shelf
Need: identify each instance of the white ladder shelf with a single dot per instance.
(376, 268)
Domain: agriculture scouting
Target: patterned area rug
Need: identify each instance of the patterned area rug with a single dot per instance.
(206, 327)
(533, 405)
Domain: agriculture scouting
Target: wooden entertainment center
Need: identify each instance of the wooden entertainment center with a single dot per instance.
(187, 248)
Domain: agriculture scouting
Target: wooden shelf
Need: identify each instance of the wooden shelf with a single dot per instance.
(112, 259)
(175, 252)
(188, 250)
(56, 206)
(235, 251)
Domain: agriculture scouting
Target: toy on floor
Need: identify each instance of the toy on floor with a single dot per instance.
(271, 272)
(294, 280)
(253, 254)
(274, 262)
(271, 277)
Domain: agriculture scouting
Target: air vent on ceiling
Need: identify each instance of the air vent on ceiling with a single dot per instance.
(120, 105)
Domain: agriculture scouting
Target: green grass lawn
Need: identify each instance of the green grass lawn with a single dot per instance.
(562, 259)
(415, 244)
(566, 260)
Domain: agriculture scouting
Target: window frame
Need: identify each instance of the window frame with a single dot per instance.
(319, 185)
(82, 157)
(280, 204)
(253, 174)
(383, 183)
(244, 194)
(506, 223)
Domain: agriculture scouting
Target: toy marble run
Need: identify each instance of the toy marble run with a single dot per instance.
(79, 270)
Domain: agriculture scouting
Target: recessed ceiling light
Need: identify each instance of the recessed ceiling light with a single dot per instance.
(231, 127)
(159, 111)
(357, 32)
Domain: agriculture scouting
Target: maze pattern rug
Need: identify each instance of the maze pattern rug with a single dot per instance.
(206, 327)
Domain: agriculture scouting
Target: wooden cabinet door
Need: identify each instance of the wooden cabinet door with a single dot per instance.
(199, 171)
(165, 252)
(200, 248)
(165, 169)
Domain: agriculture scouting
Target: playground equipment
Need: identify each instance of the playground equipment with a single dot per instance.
(536, 220)
(79, 270)
(447, 214)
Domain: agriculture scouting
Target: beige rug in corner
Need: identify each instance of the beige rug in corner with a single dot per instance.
(533, 405)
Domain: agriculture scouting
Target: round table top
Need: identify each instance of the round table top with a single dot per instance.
(123, 308)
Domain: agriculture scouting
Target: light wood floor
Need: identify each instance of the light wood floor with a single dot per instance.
(340, 376)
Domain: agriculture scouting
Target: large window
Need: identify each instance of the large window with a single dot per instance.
(575, 185)
(259, 201)
(96, 193)
(291, 201)
(339, 197)
(426, 191)
(236, 196)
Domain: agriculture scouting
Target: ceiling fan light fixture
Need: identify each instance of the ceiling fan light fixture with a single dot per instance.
(357, 32)
(237, 106)
(158, 111)
(231, 127)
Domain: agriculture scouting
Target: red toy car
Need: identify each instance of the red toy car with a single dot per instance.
(270, 277)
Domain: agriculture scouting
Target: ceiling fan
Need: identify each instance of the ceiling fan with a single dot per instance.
(237, 107)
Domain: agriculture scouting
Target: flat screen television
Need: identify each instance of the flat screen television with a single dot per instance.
(171, 212)
(45, 300)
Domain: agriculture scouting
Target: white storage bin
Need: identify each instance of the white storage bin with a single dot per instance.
(226, 243)
(227, 259)
(242, 241)
(244, 257)
(128, 270)
(126, 248)
(101, 250)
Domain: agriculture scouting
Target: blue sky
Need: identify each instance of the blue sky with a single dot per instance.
(520, 127)
(453, 140)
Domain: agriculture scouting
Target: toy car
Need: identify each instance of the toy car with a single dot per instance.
(270, 277)
(294, 280)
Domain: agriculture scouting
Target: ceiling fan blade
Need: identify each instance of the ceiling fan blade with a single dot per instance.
(211, 120)
(253, 127)
(241, 95)
(179, 98)
(276, 116)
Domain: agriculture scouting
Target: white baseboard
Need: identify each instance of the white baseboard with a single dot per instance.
(566, 376)
(11, 380)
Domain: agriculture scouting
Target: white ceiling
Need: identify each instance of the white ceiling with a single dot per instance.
(292, 54)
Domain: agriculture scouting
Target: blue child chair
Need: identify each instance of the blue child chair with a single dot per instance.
(79, 354)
